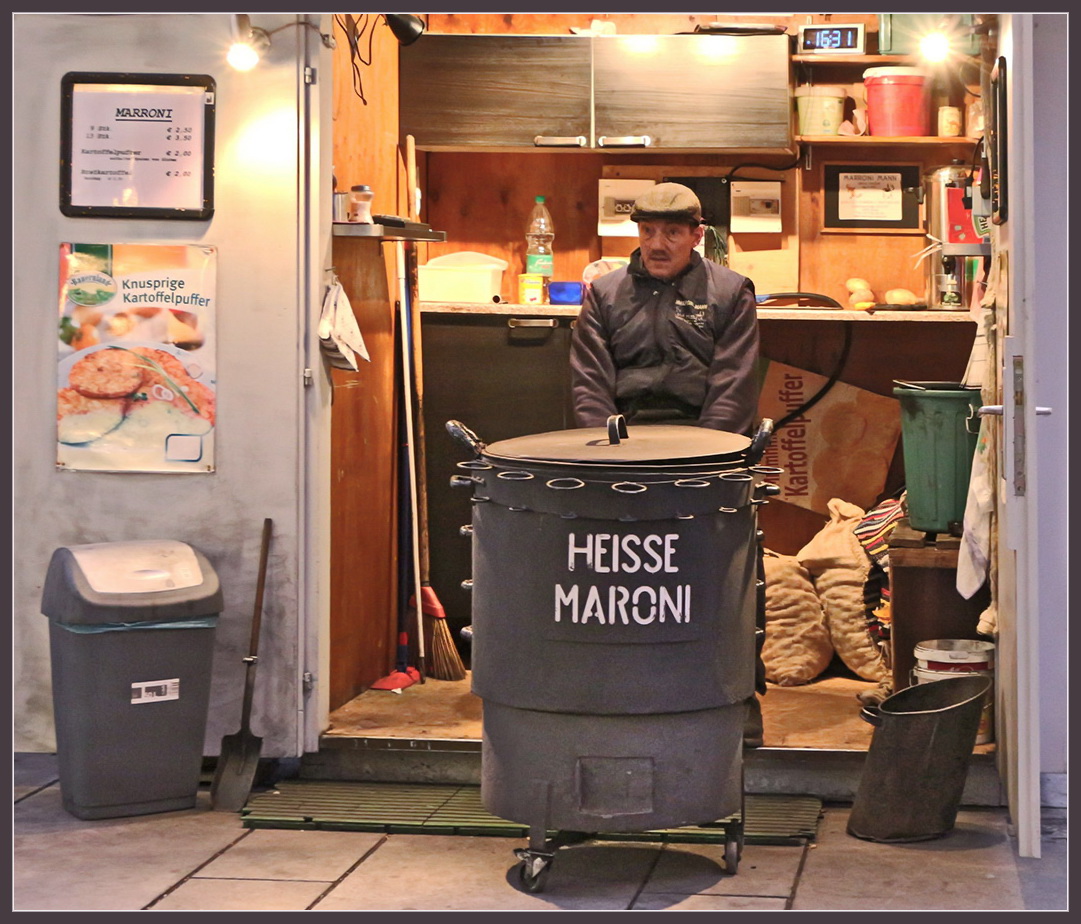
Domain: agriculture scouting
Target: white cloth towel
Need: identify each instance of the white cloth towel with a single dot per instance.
(974, 557)
(339, 335)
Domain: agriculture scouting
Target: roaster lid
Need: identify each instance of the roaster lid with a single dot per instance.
(632, 445)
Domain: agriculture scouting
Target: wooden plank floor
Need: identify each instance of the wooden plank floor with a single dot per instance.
(821, 714)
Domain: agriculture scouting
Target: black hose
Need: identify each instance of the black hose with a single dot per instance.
(838, 369)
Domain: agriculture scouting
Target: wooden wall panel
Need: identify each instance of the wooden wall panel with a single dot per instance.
(625, 23)
(366, 133)
(483, 202)
(363, 546)
(885, 260)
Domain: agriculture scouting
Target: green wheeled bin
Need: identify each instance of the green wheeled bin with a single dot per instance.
(939, 432)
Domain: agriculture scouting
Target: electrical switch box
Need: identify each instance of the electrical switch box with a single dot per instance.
(615, 204)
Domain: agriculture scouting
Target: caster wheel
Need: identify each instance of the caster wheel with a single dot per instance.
(731, 856)
(533, 874)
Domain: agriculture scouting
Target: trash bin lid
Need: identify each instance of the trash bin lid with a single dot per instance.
(658, 444)
(138, 567)
(129, 582)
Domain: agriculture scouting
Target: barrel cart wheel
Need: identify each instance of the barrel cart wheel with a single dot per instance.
(733, 832)
(733, 848)
(533, 869)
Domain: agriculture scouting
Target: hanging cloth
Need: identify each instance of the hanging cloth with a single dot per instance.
(339, 336)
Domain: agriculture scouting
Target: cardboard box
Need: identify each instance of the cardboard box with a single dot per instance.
(841, 447)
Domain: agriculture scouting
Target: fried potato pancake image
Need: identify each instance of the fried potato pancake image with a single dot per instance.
(107, 373)
(80, 419)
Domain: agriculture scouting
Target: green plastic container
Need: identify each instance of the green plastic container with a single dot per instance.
(939, 431)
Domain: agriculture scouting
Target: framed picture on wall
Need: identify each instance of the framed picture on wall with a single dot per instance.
(137, 146)
(882, 197)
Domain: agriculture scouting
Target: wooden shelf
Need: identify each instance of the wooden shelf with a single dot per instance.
(865, 60)
(883, 139)
(360, 229)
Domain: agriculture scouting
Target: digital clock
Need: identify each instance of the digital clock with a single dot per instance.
(832, 39)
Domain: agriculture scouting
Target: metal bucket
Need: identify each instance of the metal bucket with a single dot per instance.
(613, 607)
(915, 770)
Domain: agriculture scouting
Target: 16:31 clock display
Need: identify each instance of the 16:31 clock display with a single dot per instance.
(832, 39)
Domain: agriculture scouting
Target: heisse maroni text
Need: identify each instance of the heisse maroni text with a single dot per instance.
(637, 603)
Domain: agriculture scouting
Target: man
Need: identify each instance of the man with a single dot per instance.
(672, 338)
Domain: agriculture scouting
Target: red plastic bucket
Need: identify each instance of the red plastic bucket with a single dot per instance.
(897, 103)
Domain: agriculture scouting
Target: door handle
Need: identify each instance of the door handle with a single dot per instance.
(624, 141)
(560, 141)
(995, 410)
(532, 322)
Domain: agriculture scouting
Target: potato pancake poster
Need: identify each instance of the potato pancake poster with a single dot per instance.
(136, 381)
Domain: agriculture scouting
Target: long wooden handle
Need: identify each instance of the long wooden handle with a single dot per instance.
(256, 622)
(411, 177)
(418, 390)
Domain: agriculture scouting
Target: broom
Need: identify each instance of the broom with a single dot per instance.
(445, 662)
(403, 674)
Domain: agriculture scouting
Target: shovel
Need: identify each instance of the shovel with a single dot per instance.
(235, 771)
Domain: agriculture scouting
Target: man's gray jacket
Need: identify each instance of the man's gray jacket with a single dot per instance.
(681, 349)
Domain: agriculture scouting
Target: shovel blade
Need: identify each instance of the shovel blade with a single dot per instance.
(235, 772)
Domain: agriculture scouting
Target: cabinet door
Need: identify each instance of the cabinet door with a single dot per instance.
(692, 92)
(501, 380)
(482, 91)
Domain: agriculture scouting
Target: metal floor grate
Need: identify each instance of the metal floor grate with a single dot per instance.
(420, 808)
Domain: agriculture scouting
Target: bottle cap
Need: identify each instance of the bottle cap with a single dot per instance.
(539, 199)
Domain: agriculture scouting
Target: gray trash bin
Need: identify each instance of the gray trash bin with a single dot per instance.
(131, 636)
(914, 775)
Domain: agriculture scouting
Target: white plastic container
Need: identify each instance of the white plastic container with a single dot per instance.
(465, 276)
(940, 658)
(820, 108)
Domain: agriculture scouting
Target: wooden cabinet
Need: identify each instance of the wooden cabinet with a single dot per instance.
(477, 92)
(692, 92)
(667, 92)
(502, 376)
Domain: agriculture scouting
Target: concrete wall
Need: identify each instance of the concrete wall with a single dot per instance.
(269, 429)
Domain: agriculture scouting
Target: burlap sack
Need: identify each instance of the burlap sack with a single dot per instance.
(839, 566)
(797, 647)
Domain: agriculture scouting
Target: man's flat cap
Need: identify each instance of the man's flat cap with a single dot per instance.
(668, 202)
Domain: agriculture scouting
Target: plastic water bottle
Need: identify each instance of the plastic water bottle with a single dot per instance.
(539, 234)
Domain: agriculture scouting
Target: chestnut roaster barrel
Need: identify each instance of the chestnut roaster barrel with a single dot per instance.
(613, 609)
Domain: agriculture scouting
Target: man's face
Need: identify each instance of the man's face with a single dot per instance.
(666, 246)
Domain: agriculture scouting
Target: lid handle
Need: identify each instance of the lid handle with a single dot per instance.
(465, 436)
(617, 428)
(760, 441)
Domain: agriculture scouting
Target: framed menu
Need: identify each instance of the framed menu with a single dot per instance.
(864, 196)
(137, 146)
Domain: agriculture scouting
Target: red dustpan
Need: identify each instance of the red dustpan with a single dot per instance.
(402, 676)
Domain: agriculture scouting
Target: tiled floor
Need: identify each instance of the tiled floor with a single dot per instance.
(201, 860)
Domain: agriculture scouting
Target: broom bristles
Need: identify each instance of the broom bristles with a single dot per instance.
(444, 662)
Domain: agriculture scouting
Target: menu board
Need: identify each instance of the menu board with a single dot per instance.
(137, 145)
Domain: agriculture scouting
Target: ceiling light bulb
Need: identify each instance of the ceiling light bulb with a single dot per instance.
(242, 56)
(935, 47)
(248, 45)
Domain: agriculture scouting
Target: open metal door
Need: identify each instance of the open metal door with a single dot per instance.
(1016, 127)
